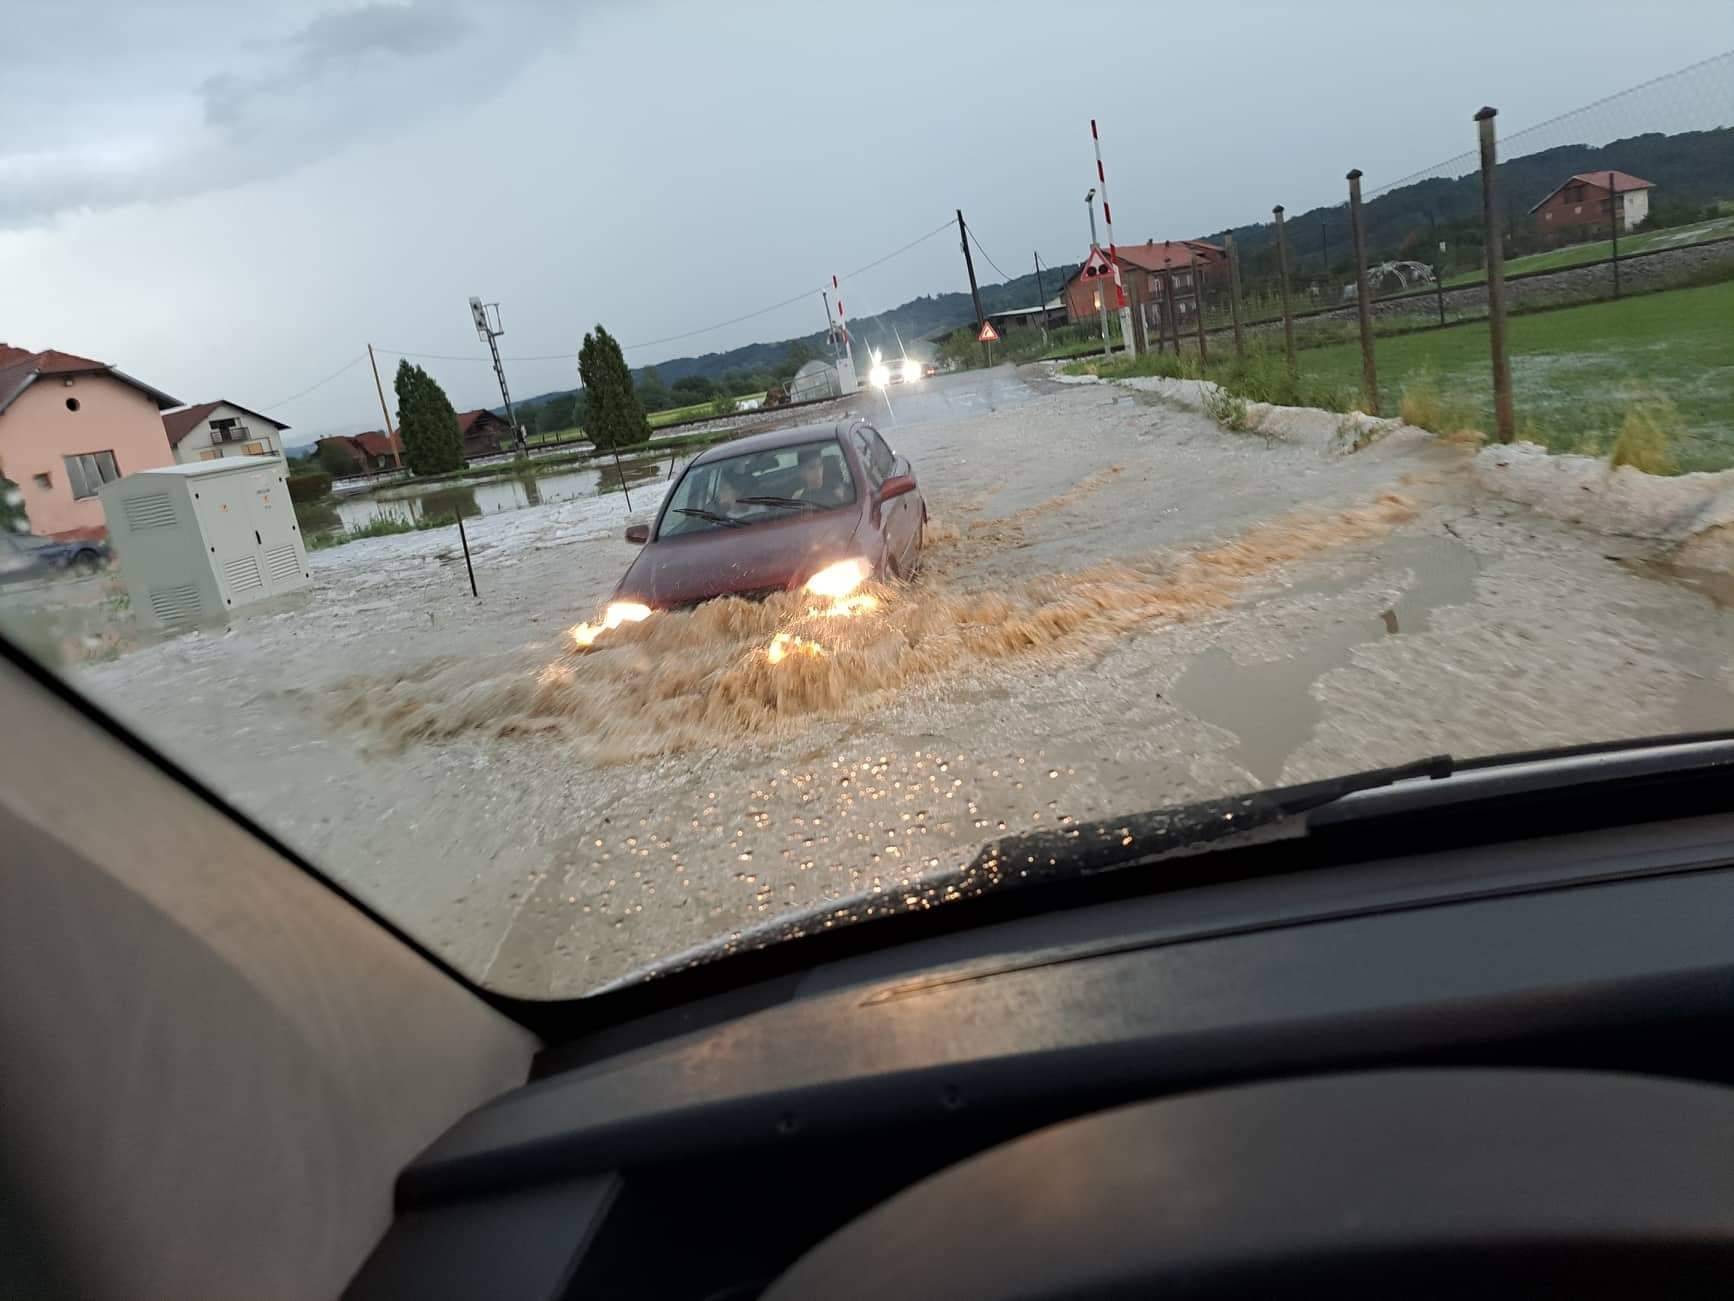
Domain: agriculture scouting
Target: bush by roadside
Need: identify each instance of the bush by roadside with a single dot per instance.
(309, 487)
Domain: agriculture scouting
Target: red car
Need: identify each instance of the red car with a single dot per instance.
(825, 508)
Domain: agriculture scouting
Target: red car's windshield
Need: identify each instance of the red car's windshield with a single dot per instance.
(761, 485)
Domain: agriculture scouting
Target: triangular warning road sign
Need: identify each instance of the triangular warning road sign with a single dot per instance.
(988, 333)
(1096, 264)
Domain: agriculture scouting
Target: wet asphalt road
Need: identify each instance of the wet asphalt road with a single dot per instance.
(1191, 612)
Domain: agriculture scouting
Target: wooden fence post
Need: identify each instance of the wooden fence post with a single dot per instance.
(1282, 284)
(1197, 305)
(1614, 215)
(1505, 420)
(1363, 297)
(1234, 294)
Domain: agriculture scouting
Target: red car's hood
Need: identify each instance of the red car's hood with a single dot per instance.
(778, 553)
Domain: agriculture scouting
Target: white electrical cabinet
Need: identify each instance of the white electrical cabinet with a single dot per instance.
(197, 542)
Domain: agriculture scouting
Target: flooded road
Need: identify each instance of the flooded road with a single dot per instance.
(1123, 607)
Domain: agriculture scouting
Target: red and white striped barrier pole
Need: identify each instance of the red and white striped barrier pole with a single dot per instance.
(849, 382)
(1126, 338)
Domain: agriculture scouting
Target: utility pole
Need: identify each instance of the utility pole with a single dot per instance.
(491, 333)
(390, 437)
(1041, 297)
(974, 293)
(1363, 296)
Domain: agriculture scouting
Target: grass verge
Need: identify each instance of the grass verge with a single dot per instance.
(1576, 372)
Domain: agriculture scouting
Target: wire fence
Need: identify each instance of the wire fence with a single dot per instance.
(1611, 203)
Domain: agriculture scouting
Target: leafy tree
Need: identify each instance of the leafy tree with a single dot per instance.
(653, 394)
(689, 389)
(337, 459)
(798, 354)
(581, 409)
(722, 405)
(426, 422)
(615, 417)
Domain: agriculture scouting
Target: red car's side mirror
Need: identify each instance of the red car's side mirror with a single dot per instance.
(896, 486)
(639, 533)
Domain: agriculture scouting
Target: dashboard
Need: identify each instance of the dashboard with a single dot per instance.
(1031, 1108)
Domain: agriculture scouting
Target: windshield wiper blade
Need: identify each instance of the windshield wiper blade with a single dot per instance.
(796, 502)
(1118, 842)
(710, 515)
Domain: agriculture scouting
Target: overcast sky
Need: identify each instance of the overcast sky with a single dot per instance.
(233, 200)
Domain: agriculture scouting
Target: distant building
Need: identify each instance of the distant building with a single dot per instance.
(68, 425)
(1584, 200)
(372, 451)
(1036, 315)
(484, 434)
(213, 430)
(1146, 270)
(817, 379)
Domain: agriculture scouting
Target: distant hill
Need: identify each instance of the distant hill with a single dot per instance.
(911, 321)
(1694, 167)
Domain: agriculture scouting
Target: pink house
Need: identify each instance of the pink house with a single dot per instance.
(67, 426)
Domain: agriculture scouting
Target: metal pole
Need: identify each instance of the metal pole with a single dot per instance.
(1282, 279)
(464, 538)
(1169, 322)
(830, 325)
(974, 293)
(1505, 419)
(1363, 297)
(1324, 266)
(390, 437)
(1234, 294)
(1439, 280)
(1614, 230)
(1126, 339)
(1041, 296)
(1197, 305)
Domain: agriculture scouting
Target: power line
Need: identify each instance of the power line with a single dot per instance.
(687, 334)
(985, 253)
(272, 406)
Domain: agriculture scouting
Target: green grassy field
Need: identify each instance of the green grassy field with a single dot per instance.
(1579, 254)
(1575, 371)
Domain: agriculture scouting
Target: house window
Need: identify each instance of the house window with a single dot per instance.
(211, 454)
(89, 472)
(254, 449)
(1605, 205)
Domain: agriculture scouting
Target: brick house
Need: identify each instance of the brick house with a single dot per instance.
(1584, 199)
(1142, 268)
(213, 430)
(68, 425)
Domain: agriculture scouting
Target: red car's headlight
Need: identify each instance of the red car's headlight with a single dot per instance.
(840, 579)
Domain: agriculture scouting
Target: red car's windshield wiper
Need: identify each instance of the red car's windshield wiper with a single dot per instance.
(795, 502)
(710, 515)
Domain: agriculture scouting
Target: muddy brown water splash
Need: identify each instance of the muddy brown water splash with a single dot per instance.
(709, 676)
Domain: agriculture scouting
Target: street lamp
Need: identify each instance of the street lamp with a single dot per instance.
(1090, 203)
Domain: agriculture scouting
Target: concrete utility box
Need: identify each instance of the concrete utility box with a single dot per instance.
(198, 541)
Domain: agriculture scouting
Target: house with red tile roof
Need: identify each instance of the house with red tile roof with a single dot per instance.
(373, 452)
(213, 430)
(1585, 199)
(1146, 271)
(68, 425)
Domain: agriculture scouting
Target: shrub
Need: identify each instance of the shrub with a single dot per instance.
(309, 487)
(1227, 410)
(1426, 407)
(1645, 440)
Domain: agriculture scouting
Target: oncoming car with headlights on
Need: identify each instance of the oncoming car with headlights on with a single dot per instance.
(822, 508)
(901, 370)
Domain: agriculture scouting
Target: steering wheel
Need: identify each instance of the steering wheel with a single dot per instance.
(1389, 1184)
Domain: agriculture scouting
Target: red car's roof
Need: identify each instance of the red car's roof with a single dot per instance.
(771, 441)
